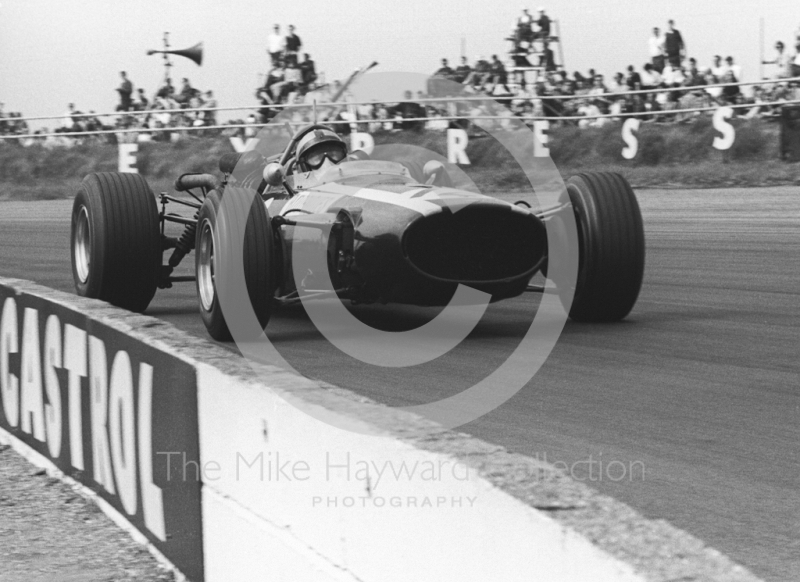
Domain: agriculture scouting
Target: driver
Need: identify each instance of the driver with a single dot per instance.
(320, 149)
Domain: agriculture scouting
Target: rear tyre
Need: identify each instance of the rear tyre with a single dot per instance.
(220, 238)
(611, 246)
(115, 240)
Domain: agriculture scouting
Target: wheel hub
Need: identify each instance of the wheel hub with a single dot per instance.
(205, 268)
(82, 245)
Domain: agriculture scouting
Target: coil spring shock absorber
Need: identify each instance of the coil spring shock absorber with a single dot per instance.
(185, 243)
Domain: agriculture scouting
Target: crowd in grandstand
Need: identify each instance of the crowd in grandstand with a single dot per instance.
(552, 92)
(289, 78)
(11, 124)
(530, 83)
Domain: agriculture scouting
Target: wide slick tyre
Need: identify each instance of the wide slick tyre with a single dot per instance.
(115, 240)
(220, 238)
(611, 246)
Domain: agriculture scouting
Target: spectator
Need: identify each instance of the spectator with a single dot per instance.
(92, 123)
(673, 76)
(717, 68)
(543, 24)
(141, 103)
(292, 80)
(795, 64)
(618, 85)
(275, 45)
(186, 94)
(598, 90)
(265, 112)
(733, 68)
(462, 71)
(308, 72)
(210, 116)
(445, 71)
(520, 59)
(674, 45)
(550, 107)
(731, 94)
(782, 62)
(21, 125)
(633, 80)
(690, 99)
(547, 60)
(125, 91)
(481, 74)
(656, 48)
(650, 77)
(524, 32)
(68, 121)
(409, 110)
(589, 109)
(499, 76)
(167, 90)
(694, 76)
(292, 44)
(250, 121)
(273, 83)
(714, 93)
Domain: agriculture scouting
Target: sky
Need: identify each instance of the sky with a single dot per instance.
(53, 52)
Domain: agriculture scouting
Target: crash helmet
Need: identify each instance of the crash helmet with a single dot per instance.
(317, 145)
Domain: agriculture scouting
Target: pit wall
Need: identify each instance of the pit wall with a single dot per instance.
(235, 472)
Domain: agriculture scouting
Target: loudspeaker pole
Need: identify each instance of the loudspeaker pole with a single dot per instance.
(761, 47)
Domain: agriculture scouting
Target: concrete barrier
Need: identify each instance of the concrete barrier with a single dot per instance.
(224, 475)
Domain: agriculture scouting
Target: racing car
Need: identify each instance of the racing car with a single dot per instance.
(384, 231)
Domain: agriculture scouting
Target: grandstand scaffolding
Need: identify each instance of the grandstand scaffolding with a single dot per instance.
(530, 61)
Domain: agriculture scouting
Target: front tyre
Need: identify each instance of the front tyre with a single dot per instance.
(115, 240)
(220, 238)
(611, 246)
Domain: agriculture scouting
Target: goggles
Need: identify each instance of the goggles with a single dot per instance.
(333, 151)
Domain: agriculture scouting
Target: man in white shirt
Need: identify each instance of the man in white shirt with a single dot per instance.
(524, 32)
(782, 62)
(735, 69)
(712, 79)
(656, 48)
(718, 69)
(275, 45)
(671, 76)
(67, 122)
(650, 77)
(618, 85)
(795, 62)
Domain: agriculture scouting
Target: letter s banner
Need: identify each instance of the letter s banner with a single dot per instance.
(721, 124)
(106, 409)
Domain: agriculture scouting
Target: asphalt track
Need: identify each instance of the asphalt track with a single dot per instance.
(688, 411)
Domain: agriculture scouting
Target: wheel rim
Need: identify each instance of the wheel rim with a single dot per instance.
(205, 266)
(82, 247)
